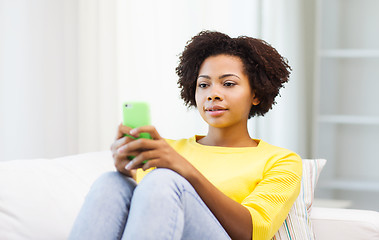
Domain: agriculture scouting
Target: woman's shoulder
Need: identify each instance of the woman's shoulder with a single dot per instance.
(276, 149)
(279, 156)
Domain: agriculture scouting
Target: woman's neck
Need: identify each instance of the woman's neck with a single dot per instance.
(224, 137)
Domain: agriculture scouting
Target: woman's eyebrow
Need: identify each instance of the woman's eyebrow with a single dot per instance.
(221, 77)
(204, 76)
(228, 75)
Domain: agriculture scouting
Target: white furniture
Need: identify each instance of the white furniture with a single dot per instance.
(40, 198)
(346, 126)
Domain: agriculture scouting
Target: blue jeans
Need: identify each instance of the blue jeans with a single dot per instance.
(163, 206)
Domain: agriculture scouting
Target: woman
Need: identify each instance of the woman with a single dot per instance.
(219, 186)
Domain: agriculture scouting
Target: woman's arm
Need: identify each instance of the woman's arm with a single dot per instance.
(234, 217)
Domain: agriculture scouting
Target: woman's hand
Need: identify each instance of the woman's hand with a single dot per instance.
(234, 217)
(156, 152)
(121, 157)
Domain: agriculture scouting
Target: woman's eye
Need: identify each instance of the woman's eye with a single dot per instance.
(202, 85)
(229, 84)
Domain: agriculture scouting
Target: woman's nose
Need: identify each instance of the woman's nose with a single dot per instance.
(210, 98)
(214, 95)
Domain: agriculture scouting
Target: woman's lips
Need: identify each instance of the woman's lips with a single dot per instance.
(215, 111)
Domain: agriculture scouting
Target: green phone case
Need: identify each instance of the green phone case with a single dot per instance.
(136, 114)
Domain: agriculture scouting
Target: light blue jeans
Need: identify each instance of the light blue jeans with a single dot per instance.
(163, 206)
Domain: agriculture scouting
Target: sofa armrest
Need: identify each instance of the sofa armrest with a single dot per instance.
(335, 223)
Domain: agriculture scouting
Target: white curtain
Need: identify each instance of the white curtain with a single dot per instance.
(38, 68)
(66, 66)
(97, 74)
(289, 26)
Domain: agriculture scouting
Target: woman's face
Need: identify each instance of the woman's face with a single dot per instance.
(223, 93)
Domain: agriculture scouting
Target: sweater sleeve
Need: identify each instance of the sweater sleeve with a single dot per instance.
(273, 197)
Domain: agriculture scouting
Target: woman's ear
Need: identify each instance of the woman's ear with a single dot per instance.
(255, 100)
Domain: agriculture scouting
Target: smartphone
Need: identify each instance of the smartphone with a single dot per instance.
(136, 114)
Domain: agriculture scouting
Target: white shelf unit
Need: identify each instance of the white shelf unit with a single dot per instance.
(348, 119)
(349, 185)
(349, 53)
(346, 97)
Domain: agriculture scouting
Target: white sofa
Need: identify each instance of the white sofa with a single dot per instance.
(39, 199)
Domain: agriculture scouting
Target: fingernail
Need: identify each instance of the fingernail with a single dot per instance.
(133, 131)
(129, 165)
(121, 150)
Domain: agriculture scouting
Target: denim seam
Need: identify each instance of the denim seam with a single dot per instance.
(121, 233)
(180, 194)
(175, 222)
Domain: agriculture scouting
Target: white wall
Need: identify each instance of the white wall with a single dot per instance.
(66, 66)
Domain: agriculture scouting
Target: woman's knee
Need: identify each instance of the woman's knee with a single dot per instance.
(162, 181)
(162, 176)
(112, 183)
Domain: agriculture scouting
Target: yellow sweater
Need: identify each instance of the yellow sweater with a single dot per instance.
(265, 179)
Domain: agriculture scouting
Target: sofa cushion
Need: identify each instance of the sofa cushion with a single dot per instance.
(298, 225)
(334, 223)
(40, 198)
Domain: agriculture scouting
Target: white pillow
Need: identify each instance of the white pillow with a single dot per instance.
(40, 198)
(298, 225)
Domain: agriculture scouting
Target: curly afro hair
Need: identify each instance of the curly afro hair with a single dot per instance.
(266, 69)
